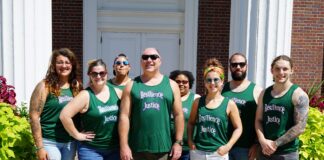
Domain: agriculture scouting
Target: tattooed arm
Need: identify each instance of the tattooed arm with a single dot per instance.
(37, 102)
(301, 103)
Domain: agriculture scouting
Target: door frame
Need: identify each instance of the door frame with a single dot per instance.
(94, 23)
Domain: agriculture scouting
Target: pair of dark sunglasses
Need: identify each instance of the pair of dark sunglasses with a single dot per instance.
(211, 80)
(152, 56)
(95, 74)
(241, 64)
(125, 63)
(183, 82)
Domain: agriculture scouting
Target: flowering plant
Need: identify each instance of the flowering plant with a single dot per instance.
(7, 92)
(315, 100)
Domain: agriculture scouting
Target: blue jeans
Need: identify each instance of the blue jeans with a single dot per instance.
(239, 153)
(89, 153)
(58, 151)
(185, 155)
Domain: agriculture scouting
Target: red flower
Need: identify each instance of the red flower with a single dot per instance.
(7, 92)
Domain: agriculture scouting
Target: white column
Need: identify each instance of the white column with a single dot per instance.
(189, 57)
(261, 30)
(90, 35)
(26, 43)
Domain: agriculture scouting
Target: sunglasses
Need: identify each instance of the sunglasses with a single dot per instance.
(183, 82)
(125, 63)
(95, 74)
(152, 56)
(241, 64)
(211, 80)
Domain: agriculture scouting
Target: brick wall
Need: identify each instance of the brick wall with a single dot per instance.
(67, 19)
(307, 42)
(213, 35)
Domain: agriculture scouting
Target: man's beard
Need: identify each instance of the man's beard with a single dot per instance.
(238, 77)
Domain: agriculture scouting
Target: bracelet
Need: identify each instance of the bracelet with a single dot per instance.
(39, 148)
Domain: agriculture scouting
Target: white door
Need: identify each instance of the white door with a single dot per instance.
(133, 44)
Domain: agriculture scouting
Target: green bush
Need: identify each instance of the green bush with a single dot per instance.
(16, 141)
(312, 140)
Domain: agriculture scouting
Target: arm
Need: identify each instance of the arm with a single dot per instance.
(78, 104)
(253, 149)
(301, 106)
(178, 120)
(37, 102)
(124, 123)
(266, 144)
(191, 123)
(234, 116)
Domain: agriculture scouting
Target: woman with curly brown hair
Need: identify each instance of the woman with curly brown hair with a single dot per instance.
(49, 97)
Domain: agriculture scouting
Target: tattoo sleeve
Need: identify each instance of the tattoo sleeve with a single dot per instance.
(36, 108)
(300, 118)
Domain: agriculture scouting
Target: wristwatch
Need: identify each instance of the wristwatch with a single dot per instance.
(180, 142)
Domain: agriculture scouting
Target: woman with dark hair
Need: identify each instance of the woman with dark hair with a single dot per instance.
(121, 70)
(185, 80)
(48, 99)
(99, 107)
(210, 114)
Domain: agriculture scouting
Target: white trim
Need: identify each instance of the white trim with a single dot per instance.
(147, 20)
(90, 34)
(261, 30)
(26, 44)
(189, 56)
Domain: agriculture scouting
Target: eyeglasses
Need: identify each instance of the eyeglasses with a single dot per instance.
(211, 80)
(95, 74)
(152, 56)
(125, 63)
(180, 81)
(241, 64)
(63, 62)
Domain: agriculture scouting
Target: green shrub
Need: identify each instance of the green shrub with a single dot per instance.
(312, 140)
(15, 135)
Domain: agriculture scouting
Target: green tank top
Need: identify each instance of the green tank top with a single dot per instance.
(150, 117)
(110, 82)
(211, 126)
(186, 108)
(278, 118)
(52, 127)
(102, 119)
(247, 107)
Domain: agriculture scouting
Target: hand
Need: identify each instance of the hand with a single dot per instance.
(253, 152)
(268, 147)
(85, 136)
(42, 154)
(125, 153)
(176, 151)
(191, 145)
(222, 150)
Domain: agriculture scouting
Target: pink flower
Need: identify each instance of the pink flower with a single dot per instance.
(7, 92)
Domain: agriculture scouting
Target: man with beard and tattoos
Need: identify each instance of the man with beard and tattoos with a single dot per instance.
(281, 115)
(245, 94)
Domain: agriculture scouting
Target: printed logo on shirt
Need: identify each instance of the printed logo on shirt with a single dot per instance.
(151, 105)
(103, 109)
(65, 98)
(112, 118)
(185, 111)
(208, 118)
(151, 94)
(239, 101)
(273, 107)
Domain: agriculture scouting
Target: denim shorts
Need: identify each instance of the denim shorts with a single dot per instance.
(58, 151)
(202, 155)
(89, 153)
